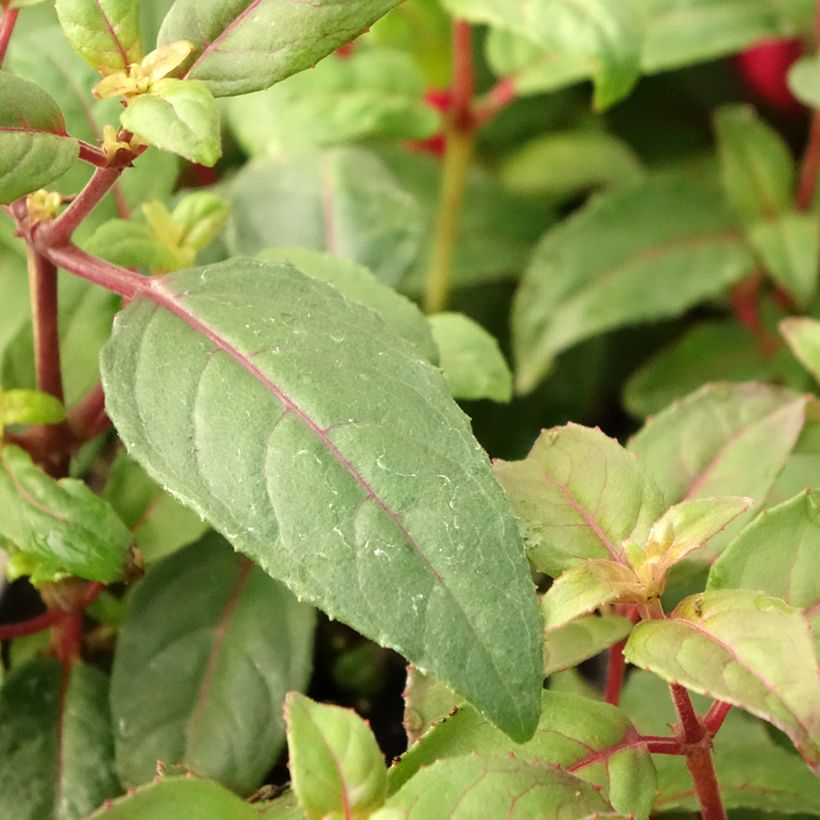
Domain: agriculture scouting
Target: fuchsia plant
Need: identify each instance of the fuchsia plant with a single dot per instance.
(221, 413)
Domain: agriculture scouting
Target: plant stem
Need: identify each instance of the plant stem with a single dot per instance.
(88, 419)
(91, 154)
(615, 673)
(713, 719)
(31, 626)
(7, 23)
(690, 723)
(810, 166)
(112, 277)
(463, 85)
(699, 763)
(496, 99)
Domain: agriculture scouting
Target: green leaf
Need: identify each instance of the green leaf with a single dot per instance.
(587, 587)
(370, 94)
(804, 80)
(562, 165)
(682, 32)
(803, 336)
(725, 439)
(427, 701)
(777, 553)
(581, 639)
(335, 763)
(634, 255)
(201, 216)
(34, 146)
(177, 797)
(486, 786)
(159, 524)
(712, 351)
(178, 116)
(585, 737)
(789, 250)
(756, 165)
(248, 45)
(731, 644)
(61, 524)
(343, 201)
(130, 243)
(753, 770)
(105, 32)
(579, 495)
(604, 38)
(359, 284)
(57, 751)
(29, 407)
(178, 669)
(471, 359)
(321, 479)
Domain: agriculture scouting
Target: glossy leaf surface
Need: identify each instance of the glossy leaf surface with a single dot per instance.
(177, 670)
(330, 485)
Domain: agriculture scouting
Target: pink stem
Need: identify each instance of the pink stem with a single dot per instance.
(112, 277)
(7, 23)
(714, 717)
(463, 85)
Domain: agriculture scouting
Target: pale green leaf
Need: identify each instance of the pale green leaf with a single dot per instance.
(562, 165)
(753, 770)
(335, 763)
(105, 32)
(581, 639)
(178, 797)
(777, 553)
(34, 146)
(682, 32)
(178, 116)
(159, 524)
(585, 737)
(579, 495)
(725, 439)
(370, 94)
(61, 524)
(586, 587)
(803, 336)
(29, 407)
(248, 45)
(427, 701)
(203, 685)
(802, 466)
(804, 80)
(201, 216)
(377, 505)
(343, 201)
(359, 284)
(789, 249)
(130, 243)
(637, 254)
(56, 747)
(471, 359)
(757, 169)
(605, 38)
(731, 644)
(712, 351)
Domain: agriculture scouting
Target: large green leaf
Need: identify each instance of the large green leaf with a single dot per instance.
(777, 553)
(360, 285)
(248, 45)
(731, 644)
(471, 359)
(579, 495)
(203, 684)
(178, 797)
(56, 747)
(753, 770)
(62, 527)
(803, 336)
(335, 763)
(377, 505)
(464, 788)
(105, 32)
(343, 201)
(371, 94)
(179, 116)
(34, 146)
(593, 740)
(725, 439)
(681, 32)
(604, 38)
(645, 252)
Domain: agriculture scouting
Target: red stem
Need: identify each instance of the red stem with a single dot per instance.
(7, 23)
(689, 720)
(112, 277)
(49, 618)
(88, 419)
(810, 167)
(497, 99)
(463, 85)
(92, 154)
(699, 763)
(714, 717)
(616, 665)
